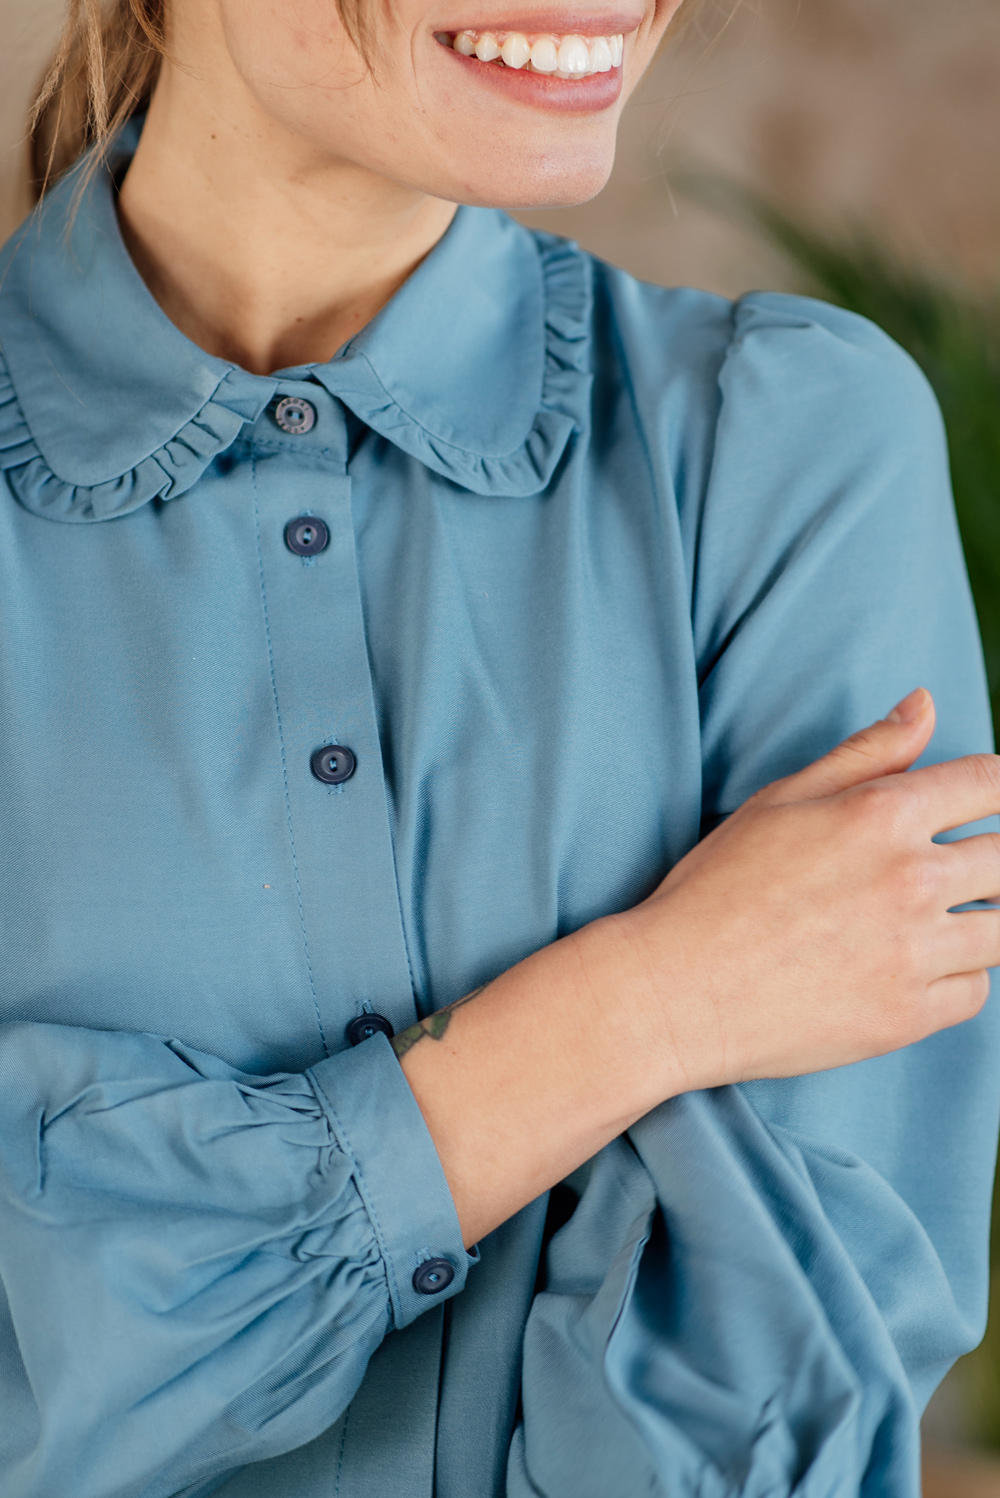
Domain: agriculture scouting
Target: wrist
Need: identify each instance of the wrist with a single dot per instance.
(635, 995)
(540, 1070)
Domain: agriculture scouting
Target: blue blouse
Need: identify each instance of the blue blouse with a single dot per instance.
(603, 558)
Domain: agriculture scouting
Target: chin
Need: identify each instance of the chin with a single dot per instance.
(550, 182)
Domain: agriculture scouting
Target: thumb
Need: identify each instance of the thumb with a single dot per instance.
(885, 748)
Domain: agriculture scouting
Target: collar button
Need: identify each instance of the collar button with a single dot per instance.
(295, 415)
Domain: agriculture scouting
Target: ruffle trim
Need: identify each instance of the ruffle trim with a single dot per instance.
(568, 296)
(168, 472)
(175, 467)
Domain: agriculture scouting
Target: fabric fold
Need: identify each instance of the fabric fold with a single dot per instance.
(166, 473)
(491, 407)
(659, 1337)
(246, 1288)
(360, 380)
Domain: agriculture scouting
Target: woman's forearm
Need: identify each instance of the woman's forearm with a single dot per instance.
(535, 1073)
(811, 930)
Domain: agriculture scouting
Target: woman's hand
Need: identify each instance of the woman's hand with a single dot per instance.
(810, 930)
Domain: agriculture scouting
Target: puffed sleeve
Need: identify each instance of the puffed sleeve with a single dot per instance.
(761, 1287)
(198, 1262)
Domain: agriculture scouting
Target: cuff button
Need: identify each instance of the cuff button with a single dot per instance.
(433, 1276)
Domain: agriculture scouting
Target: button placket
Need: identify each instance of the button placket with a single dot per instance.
(342, 843)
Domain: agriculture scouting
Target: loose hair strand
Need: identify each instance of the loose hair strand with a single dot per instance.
(104, 70)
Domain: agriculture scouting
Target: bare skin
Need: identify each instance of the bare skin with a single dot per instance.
(808, 931)
(282, 191)
(280, 195)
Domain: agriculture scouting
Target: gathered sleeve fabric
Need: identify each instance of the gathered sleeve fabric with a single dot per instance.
(760, 1288)
(199, 1262)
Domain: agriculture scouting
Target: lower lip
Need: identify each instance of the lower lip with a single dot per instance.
(565, 95)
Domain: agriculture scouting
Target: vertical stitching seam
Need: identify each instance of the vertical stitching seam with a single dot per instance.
(387, 800)
(417, 1002)
(340, 1454)
(284, 762)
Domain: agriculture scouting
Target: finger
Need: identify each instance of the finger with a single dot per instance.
(884, 748)
(968, 940)
(952, 1000)
(971, 869)
(957, 791)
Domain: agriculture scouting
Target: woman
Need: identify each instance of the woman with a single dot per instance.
(391, 598)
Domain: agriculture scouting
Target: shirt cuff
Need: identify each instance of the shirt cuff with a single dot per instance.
(380, 1128)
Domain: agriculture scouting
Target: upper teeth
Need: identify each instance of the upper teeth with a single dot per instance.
(563, 56)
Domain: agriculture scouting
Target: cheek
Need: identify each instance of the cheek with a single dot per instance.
(416, 125)
(280, 48)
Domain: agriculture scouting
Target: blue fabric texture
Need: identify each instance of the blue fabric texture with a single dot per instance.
(604, 558)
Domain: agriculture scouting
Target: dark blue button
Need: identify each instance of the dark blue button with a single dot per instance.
(295, 415)
(307, 536)
(433, 1276)
(333, 764)
(367, 1025)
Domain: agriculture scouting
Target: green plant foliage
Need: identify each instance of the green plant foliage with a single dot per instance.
(955, 338)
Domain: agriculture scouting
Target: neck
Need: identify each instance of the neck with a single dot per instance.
(259, 251)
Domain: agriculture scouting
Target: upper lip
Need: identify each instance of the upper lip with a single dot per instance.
(554, 23)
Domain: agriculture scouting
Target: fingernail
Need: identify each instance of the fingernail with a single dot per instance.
(911, 707)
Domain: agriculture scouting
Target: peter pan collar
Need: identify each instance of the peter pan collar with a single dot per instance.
(477, 367)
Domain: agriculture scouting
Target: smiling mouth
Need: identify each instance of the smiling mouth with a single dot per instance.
(569, 56)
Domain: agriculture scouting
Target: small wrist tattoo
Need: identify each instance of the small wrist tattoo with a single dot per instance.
(431, 1028)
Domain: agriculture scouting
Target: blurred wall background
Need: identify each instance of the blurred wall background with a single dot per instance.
(878, 117)
(881, 113)
(878, 112)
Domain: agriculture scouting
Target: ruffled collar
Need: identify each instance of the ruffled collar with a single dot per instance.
(478, 367)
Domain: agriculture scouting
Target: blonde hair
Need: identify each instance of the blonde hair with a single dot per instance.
(104, 71)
